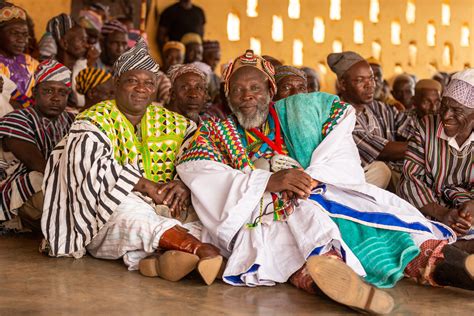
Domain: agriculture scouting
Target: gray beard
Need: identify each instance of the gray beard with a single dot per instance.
(253, 121)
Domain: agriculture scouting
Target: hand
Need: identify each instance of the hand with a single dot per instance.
(466, 211)
(150, 188)
(177, 196)
(92, 56)
(459, 224)
(295, 181)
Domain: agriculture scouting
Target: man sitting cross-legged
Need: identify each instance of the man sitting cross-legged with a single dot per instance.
(103, 182)
(27, 137)
(279, 188)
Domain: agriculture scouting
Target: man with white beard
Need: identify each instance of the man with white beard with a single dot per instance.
(280, 190)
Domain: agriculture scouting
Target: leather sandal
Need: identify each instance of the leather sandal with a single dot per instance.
(172, 265)
(340, 283)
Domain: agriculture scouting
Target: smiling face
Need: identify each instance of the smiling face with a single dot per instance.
(290, 85)
(51, 98)
(249, 96)
(134, 91)
(456, 118)
(189, 95)
(14, 38)
(358, 84)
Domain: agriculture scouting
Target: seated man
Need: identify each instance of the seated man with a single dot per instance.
(403, 90)
(290, 81)
(427, 98)
(212, 56)
(173, 54)
(27, 137)
(437, 176)
(104, 179)
(96, 85)
(381, 131)
(193, 44)
(188, 92)
(113, 42)
(277, 221)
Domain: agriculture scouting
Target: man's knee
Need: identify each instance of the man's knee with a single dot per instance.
(378, 174)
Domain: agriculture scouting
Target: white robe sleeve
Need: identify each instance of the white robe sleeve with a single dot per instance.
(336, 160)
(224, 198)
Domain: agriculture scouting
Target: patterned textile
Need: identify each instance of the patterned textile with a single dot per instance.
(250, 59)
(434, 171)
(303, 119)
(376, 125)
(59, 25)
(218, 140)
(161, 133)
(113, 26)
(284, 71)
(8, 13)
(384, 254)
(90, 78)
(137, 57)
(178, 70)
(51, 70)
(211, 46)
(27, 125)
(422, 267)
(20, 69)
(461, 88)
(164, 87)
(90, 19)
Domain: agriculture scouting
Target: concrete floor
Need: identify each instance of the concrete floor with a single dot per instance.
(33, 284)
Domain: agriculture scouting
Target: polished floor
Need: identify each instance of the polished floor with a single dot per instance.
(33, 284)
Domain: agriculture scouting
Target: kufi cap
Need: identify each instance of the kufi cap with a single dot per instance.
(461, 88)
(189, 38)
(137, 57)
(51, 70)
(341, 62)
(178, 70)
(90, 78)
(284, 71)
(174, 45)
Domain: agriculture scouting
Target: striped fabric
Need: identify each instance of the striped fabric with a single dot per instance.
(27, 125)
(136, 57)
(90, 78)
(59, 25)
(83, 185)
(434, 171)
(377, 125)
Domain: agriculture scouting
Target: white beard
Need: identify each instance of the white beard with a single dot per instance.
(253, 121)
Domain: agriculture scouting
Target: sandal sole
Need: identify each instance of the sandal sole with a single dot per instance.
(210, 268)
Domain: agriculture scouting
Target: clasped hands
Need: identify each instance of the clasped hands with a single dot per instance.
(461, 218)
(174, 194)
(292, 183)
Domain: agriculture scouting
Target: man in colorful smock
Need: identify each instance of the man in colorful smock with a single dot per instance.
(103, 182)
(438, 175)
(27, 137)
(279, 188)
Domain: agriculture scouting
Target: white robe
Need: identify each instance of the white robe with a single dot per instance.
(227, 199)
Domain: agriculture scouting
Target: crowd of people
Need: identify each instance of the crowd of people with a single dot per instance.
(252, 176)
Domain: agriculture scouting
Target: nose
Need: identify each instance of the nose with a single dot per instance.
(447, 114)
(247, 95)
(140, 87)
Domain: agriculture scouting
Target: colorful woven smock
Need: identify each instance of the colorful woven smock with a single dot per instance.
(155, 145)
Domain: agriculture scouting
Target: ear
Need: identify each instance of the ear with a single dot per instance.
(342, 85)
(62, 43)
(116, 82)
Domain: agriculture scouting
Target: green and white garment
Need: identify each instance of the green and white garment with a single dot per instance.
(153, 145)
(96, 167)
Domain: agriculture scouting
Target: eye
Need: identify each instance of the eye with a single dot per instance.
(132, 81)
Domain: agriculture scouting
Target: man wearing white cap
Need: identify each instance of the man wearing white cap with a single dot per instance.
(438, 173)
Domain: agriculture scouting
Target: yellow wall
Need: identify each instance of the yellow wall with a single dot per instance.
(461, 11)
(43, 10)
(216, 28)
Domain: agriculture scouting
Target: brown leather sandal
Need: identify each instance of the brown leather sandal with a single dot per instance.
(340, 283)
(172, 265)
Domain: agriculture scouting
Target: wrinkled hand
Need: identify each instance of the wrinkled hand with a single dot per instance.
(177, 196)
(92, 56)
(291, 182)
(150, 189)
(458, 223)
